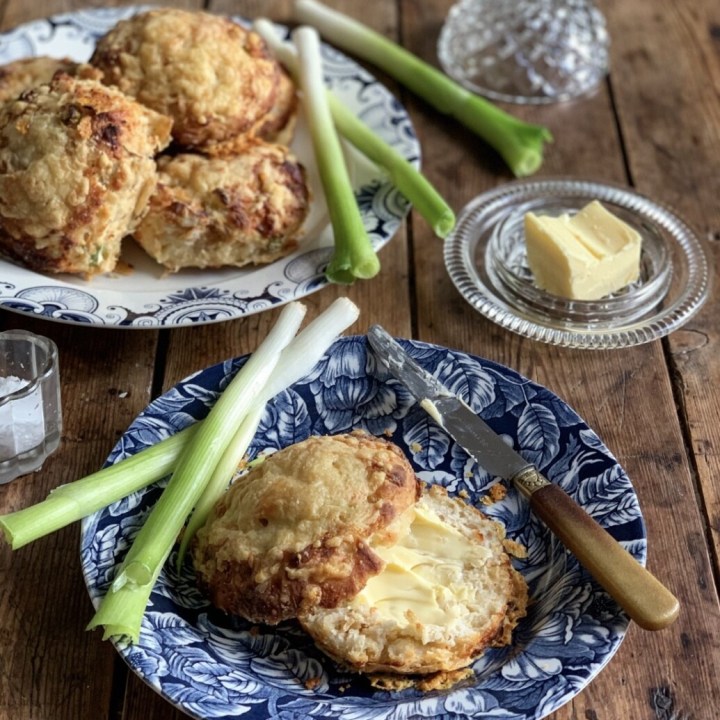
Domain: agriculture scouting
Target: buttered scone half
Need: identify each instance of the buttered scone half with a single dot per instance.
(296, 531)
(215, 79)
(233, 210)
(76, 171)
(446, 593)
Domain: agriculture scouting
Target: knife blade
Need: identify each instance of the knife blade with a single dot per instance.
(641, 595)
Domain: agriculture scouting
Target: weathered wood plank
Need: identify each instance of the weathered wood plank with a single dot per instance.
(666, 87)
(656, 126)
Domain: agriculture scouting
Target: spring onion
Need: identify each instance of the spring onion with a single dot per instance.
(73, 501)
(353, 256)
(122, 608)
(409, 181)
(520, 144)
(296, 360)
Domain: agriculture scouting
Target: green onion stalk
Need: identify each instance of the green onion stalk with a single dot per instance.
(354, 256)
(202, 458)
(296, 361)
(407, 179)
(121, 610)
(520, 144)
(76, 500)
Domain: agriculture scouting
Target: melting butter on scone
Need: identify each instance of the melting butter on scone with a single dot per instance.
(447, 592)
(385, 577)
(412, 585)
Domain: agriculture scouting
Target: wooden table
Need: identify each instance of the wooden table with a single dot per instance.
(655, 126)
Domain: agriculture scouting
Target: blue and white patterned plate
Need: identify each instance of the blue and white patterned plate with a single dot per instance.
(146, 297)
(213, 666)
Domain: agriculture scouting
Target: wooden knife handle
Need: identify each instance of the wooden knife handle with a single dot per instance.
(643, 597)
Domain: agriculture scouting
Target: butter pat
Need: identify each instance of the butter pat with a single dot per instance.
(582, 257)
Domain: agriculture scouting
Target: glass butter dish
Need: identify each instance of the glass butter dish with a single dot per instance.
(532, 51)
(486, 259)
(30, 407)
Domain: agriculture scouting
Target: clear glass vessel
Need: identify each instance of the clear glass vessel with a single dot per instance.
(486, 259)
(528, 51)
(30, 406)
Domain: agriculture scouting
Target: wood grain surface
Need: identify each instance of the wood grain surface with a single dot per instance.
(654, 125)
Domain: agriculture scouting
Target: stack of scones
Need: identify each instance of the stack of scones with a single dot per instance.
(176, 132)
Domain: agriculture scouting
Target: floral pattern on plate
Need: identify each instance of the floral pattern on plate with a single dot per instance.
(148, 298)
(214, 666)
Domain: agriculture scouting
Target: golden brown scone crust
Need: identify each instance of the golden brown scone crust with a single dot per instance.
(25, 73)
(76, 171)
(488, 599)
(213, 77)
(276, 126)
(234, 210)
(295, 531)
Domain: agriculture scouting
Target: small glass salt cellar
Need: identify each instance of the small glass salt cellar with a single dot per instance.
(30, 408)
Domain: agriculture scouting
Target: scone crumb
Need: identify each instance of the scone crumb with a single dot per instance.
(444, 680)
(464, 494)
(313, 683)
(495, 493)
(515, 549)
(416, 447)
(391, 683)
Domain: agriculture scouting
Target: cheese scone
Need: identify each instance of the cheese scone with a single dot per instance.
(77, 168)
(213, 77)
(19, 75)
(446, 593)
(277, 125)
(296, 532)
(234, 210)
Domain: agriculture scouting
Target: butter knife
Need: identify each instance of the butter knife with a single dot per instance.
(641, 595)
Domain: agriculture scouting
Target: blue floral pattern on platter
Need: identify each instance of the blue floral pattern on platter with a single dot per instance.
(214, 666)
(146, 298)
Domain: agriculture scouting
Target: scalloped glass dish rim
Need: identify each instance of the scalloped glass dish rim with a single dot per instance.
(460, 248)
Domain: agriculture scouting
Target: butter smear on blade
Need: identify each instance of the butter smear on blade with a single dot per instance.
(585, 256)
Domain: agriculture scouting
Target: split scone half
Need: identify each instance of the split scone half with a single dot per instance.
(446, 593)
(302, 529)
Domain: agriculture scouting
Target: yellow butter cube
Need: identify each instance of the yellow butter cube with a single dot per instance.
(585, 256)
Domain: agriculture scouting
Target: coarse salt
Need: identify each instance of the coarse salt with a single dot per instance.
(22, 422)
